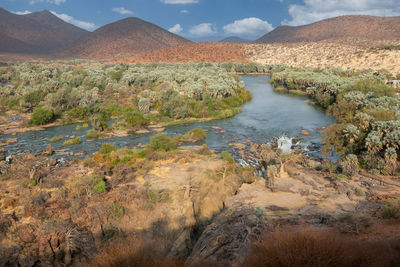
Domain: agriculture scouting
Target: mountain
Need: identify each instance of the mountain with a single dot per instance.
(39, 32)
(344, 27)
(235, 39)
(123, 38)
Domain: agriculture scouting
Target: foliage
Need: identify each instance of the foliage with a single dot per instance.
(74, 141)
(350, 165)
(42, 116)
(135, 119)
(57, 138)
(225, 155)
(161, 142)
(107, 148)
(391, 209)
(99, 185)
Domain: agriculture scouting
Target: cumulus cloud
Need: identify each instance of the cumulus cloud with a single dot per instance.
(315, 10)
(176, 29)
(248, 26)
(79, 23)
(55, 2)
(174, 2)
(122, 10)
(22, 12)
(202, 30)
(184, 11)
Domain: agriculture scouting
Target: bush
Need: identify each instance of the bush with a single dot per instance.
(74, 141)
(161, 142)
(391, 209)
(350, 165)
(57, 138)
(196, 135)
(93, 134)
(227, 157)
(34, 98)
(135, 119)
(41, 116)
(99, 185)
(107, 148)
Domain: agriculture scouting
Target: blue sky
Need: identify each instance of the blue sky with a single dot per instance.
(205, 19)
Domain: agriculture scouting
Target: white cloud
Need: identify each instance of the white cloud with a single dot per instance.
(315, 10)
(79, 23)
(176, 29)
(122, 10)
(22, 12)
(248, 26)
(56, 2)
(174, 2)
(203, 29)
(184, 11)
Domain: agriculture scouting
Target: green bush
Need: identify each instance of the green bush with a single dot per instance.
(107, 148)
(93, 134)
(57, 138)
(74, 141)
(135, 119)
(196, 135)
(42, 116)
(161, 142)
(99, 185)
(34, 98)
(225, 155)
(391, 209)
(350, 165)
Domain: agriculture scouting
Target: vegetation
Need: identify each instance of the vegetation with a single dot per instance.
(367, 127)
(161, 142)
(57, 138)
(98, 93)
(74, 141)
(391, 209)
(41, 116)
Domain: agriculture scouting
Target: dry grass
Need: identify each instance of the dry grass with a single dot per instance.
(313, 247)
(133, 252)
(324, 54)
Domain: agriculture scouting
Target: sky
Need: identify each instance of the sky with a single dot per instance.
(205, 20)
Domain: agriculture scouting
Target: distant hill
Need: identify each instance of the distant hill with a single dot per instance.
(234, 39)
(344, 27)
(39, 32)
(123, 38)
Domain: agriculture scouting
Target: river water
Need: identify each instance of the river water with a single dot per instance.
(268, 115)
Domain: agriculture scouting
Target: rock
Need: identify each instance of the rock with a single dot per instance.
(142, 131)
(216, 127)
(26, 233)
(305, 132)
(79, 154)
(158, 130)
(49, 151)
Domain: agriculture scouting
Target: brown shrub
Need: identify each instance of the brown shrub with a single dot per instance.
(321, 248)
(134, 251)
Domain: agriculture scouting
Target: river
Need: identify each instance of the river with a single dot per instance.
(268, 115)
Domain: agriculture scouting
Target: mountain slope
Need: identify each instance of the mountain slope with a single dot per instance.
(344, 27)
(123, 38)
(39, 32)
(234, 39)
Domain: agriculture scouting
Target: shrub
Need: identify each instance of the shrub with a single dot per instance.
(42, 116)
(34, 98)
(99, 185)
(161, 142)
(227, 157)
(350, 165)
(74, 141)
(107, 148)
(135, 119)
(93, 134)
(391, 209)
(340, 176)
(196, 135)
(56, 138)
